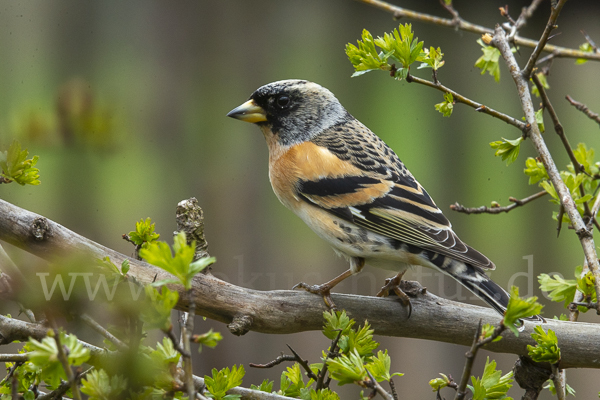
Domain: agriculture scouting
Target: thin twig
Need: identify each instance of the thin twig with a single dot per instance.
(477, 106)
(589, 40)
(104, 332)
(587, 304)
(497, 210)
(550, 26)
(375, 385)
(64, 360)
(303, 363)
(17, 358)
(455, 16)
(187, 328)
(584, 109)
(176, 345)
(330, 354)
(585, 236)
(63, 387)
(277, 361)
(559, 382)
(463, 25)
(478, 343)
(558, 128)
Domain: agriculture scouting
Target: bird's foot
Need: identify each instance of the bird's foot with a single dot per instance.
(393, 284)
(322, 290)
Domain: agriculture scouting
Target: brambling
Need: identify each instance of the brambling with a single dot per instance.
(350, 188)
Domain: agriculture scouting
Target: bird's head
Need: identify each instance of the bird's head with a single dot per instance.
(291, 111)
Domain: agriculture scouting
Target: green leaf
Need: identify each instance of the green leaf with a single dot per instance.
(488, 62)
(492, 385)
(292, 381)
(336, 321)
(162, 363)
(487, 330)
(265, 386)
(323, 394)
(379, 367)
(539, 119)
(558, 288)
(360, 340)
(535, 170)
(585, 157)
(108, 265)
(14, 165)
(439, 383)
(447, 106)
(223, 380)
(347, 368)
(585, 283)
(401, 46)
(507, 149)
(547, 349)
(144, 232)
(178, 264)
(519, 308)
(166, 352)
(365, 57)
(432, 58)
(209, 339)
(550, 386)
(158, 314)
(99, 386)
(125, 267)
(543, 80)
(46, 352)
(586, 48)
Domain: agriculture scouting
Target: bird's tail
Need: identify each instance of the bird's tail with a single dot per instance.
(481, 285)
(484, 288)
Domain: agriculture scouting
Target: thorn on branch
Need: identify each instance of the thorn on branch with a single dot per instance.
(304, 363)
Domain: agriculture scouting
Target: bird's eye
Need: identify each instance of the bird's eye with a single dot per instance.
(283, 101)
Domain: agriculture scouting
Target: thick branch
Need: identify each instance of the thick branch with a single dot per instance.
(585, 236)
(286, 311)
(463, 25)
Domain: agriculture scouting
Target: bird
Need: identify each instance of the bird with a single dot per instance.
(353, 191)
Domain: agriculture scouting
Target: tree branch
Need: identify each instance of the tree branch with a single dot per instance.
(463, 25)
(550, 26)
(287, 311)
(584, 109)
(585, 236)
(497, 210)
(477, 106)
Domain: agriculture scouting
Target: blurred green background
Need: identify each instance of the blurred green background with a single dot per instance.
(125, 104)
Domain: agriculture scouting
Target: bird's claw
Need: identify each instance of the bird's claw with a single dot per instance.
(322, 290)
(393, 284)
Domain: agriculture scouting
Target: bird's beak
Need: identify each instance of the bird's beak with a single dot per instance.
(249, 112)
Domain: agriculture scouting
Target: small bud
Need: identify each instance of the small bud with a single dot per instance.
(487, 38)
(495, 204)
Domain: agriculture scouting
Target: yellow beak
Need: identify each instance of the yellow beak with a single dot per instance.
(249, 112)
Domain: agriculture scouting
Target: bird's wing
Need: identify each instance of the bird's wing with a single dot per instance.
(379, 194)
